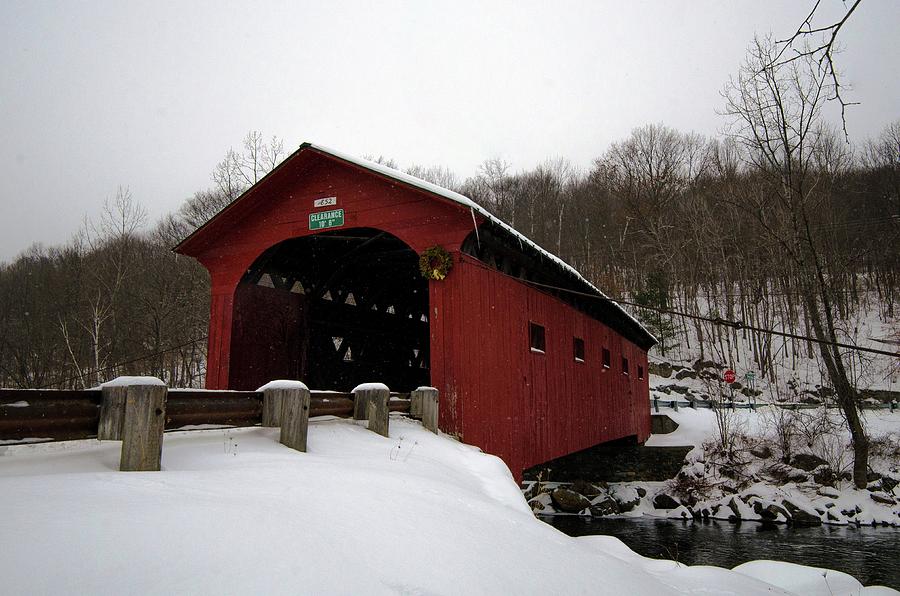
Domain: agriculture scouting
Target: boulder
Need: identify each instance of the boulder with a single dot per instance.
(680, 390)
(701, 364)
(626, 498)
(604, 507)
(851, 512)
(761, 451)
(825, 477)
(798, 476)
(827, 491)
(569, 501)
(642, 492)
(801, 517)
(664, 501)
(585, 488)
(764, 512)
(727, 471)
(662, 369)
(807, 461)
(772, 512)
(709, 375)
(883, 499)
(888, 484)
(685, 374)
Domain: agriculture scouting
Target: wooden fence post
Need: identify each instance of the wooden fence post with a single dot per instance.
(656, 404)
(273, 405)
(294, 417)
(360, 397)
(112, 412)
(415, 404)
(142, 432)
(377, 411)
(370, 402)
(429, 408)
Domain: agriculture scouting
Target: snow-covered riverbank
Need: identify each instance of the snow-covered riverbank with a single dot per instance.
(756, 482)
(234, 512)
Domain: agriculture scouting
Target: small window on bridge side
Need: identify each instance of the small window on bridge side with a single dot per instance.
(640, 372)
(624, 365)
(536, 336)
(579, 349)
(607, 360)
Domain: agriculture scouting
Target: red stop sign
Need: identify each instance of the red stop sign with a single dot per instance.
(730, 376)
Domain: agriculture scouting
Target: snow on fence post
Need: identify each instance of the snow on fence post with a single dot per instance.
(295, 417)
(371, 400)
(112, 412)
(429, 408)
(144, 422)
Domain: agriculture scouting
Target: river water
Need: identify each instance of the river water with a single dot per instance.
(872, 555)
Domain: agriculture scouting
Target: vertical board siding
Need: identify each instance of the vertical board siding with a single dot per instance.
(527, 407)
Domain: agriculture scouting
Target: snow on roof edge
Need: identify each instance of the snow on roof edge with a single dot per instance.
(467, 202)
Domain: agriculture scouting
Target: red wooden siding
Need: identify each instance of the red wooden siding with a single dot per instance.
(524, 406)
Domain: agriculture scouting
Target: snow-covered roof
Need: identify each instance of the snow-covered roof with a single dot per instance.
(476, 208)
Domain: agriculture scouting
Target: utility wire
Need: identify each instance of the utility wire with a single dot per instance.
(716, 320)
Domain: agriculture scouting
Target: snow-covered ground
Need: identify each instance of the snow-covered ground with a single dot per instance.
(795, 372)
(751, 479)
(755, 483)
(234, 512)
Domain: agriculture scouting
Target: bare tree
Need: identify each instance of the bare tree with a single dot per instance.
(238, 171)
(438, 175)
(775, 112)
(818, 42)
(242, 169)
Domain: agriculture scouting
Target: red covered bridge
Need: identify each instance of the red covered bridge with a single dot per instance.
(315, 276)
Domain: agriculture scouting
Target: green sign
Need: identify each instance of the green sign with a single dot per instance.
(326, 219)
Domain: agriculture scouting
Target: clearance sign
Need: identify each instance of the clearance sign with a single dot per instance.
(326, 219)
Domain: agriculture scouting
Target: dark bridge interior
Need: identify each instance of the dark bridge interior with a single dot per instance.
(334, 309)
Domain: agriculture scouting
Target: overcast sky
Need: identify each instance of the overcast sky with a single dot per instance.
(94, 95)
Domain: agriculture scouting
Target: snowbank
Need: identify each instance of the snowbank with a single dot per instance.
(235, 512)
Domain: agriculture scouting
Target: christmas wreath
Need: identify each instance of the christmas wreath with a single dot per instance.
(435, 263)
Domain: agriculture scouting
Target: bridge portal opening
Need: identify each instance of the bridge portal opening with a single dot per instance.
(334, 309)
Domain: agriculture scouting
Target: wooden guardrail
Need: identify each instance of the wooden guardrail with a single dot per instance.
(137, 412)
